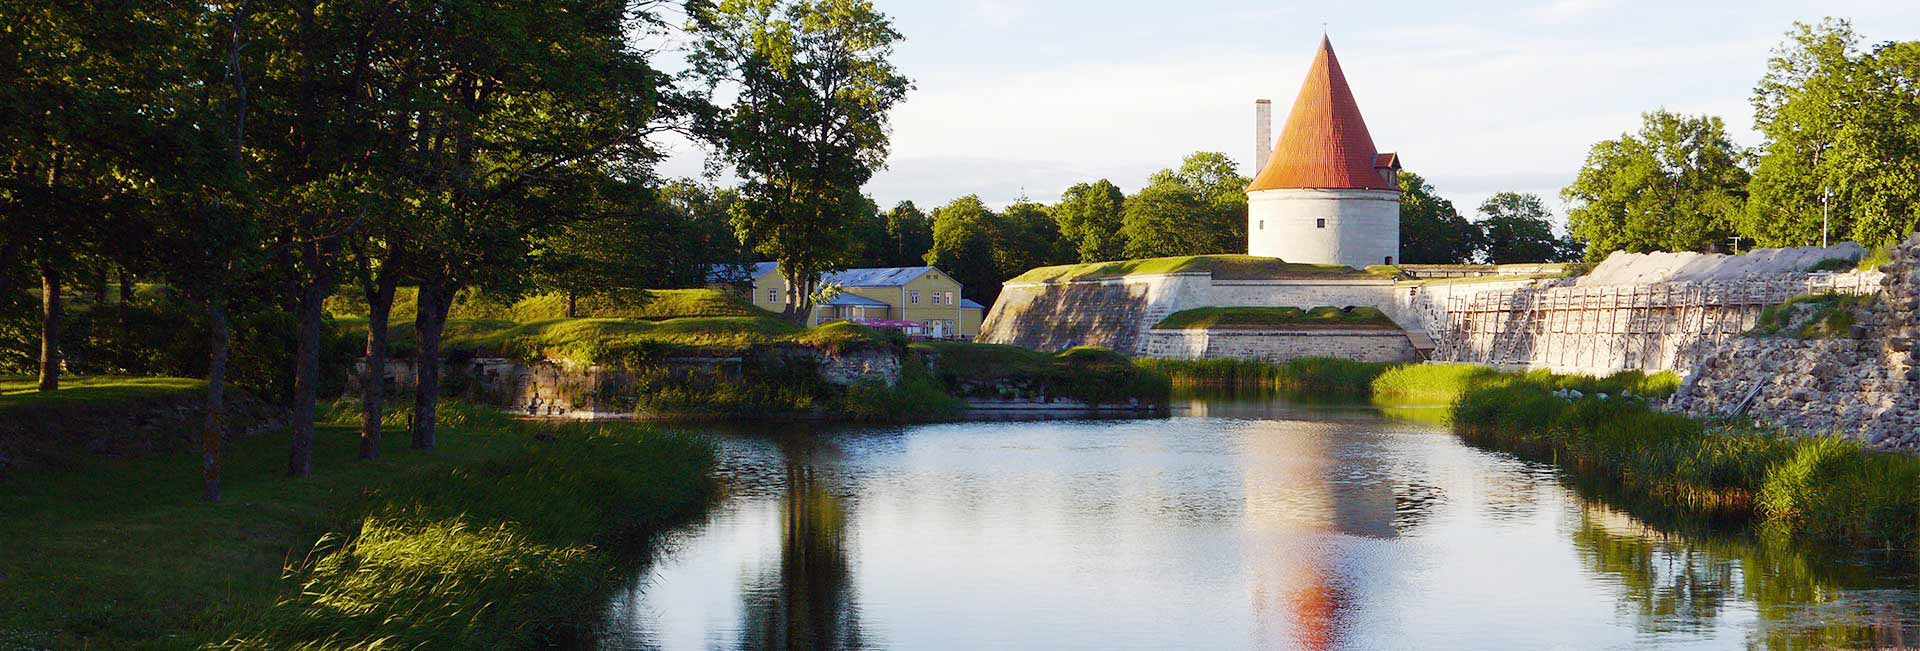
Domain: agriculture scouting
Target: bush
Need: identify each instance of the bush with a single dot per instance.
(1316, 375)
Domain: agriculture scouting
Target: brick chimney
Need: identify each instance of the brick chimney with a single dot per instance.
(1262, 135)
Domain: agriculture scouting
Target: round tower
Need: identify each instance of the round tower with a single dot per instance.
(1326, 196)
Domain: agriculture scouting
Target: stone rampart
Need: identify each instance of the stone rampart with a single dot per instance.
(1861, 385)
(1279, 345)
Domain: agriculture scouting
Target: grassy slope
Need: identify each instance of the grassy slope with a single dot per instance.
(1265, 317)
(1225, 267)
(17, 393)
(123, 554)
(995, 371)
(596, 340)
(1812, 316)
(651, 304)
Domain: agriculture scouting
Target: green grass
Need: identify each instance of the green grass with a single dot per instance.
(1242, 318)
(1810, 316)
(1874, 259)
(611, 341)
(1835, 264)
(1821, 489)
(19, 392)
(1317, 376)
(1002, 372)
(496, 539)
(647, 304)
(1234, 267)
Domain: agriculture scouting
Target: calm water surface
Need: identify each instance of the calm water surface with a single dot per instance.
(1251, 524)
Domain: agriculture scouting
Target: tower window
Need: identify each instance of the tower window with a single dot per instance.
(1320, 223)
(1389, 261)
(1263, 224)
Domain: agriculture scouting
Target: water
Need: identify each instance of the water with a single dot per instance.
(1231, 525)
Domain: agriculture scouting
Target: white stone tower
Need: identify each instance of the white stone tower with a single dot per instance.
(1326, 195)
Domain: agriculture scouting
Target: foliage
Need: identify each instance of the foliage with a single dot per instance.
(1226, 267)
(980, 248)
(646, 304)
(1836, 120)
(811, 83)
(1262, 317)
(1676, 185)
(1001, 372)
(1431, 230)
(1834, 265)
(497, 538)
(1306, 376)
(644, 239)
(1198, 209)
(909, 236)
(1091, 218)
(1519, 228)
(1811, 316)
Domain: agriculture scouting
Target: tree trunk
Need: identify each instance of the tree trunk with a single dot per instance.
(126, 286)
(213, 431)
(373, 379)
(430, 321)
(49, 326)
(573, 305)
(306, 378)
(100, 287)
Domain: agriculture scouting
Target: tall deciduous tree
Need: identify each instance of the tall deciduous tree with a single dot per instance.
(1519, 228)
(1842, 131)
(965, 234)
(1432, 231)
(811, 83)
(1675, 185)
(1200, 208)
(1091, 216)
(909, 235)
(520, 119)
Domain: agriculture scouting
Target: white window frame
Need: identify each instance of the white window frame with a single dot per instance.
(913, 297)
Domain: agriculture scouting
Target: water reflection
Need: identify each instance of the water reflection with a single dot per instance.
(1248, 524)
(807, 601)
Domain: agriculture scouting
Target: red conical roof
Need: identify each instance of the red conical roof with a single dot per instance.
(1325, 143)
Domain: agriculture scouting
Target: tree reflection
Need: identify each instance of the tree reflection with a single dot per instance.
(1673, 582)
(808, 602)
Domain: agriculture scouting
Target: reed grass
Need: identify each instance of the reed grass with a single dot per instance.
(508, 535)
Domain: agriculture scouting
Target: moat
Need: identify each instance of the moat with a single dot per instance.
(1233, 524)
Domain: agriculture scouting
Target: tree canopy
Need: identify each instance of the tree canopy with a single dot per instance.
(1518, 227)
(1431, 230)
(1675, 185)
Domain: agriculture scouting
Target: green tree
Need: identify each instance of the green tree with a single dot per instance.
(1842, 132)
(1519, 228)
(965, 239)
(1091, 216)
(1200, 208)
(811, 84)
(1675, 185)
(1431, 230)
(909, 236)
(504, 170)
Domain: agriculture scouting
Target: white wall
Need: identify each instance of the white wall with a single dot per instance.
(1362, 227)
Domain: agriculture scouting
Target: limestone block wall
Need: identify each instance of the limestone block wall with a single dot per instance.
(1281, 345)
(1862, 386)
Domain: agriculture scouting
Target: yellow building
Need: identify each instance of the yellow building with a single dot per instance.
(922, 301)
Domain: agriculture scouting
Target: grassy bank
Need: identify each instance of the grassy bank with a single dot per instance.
(1000, 372)
(1234, 267)
(1821, 489)
(498, 538)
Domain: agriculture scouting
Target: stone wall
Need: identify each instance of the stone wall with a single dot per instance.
(562, 390)
(1862, 386)
(1109, 313)
(1281, 345)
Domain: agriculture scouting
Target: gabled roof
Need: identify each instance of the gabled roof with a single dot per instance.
(873, 277)
(1325, 144)
(855, 300)
(969, 304)
(876, 277)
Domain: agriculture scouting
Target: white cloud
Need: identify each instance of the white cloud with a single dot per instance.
(1565, 11)
(1000, 13)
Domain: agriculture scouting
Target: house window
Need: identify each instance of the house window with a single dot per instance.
(913, 297)
(773, 295)
(950, 300)
(1320, 223)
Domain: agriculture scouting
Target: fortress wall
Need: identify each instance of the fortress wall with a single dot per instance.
(1863, 386)
(1281, 345)
(1110, 313)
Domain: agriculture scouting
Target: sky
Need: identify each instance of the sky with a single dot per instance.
(1023, 98)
